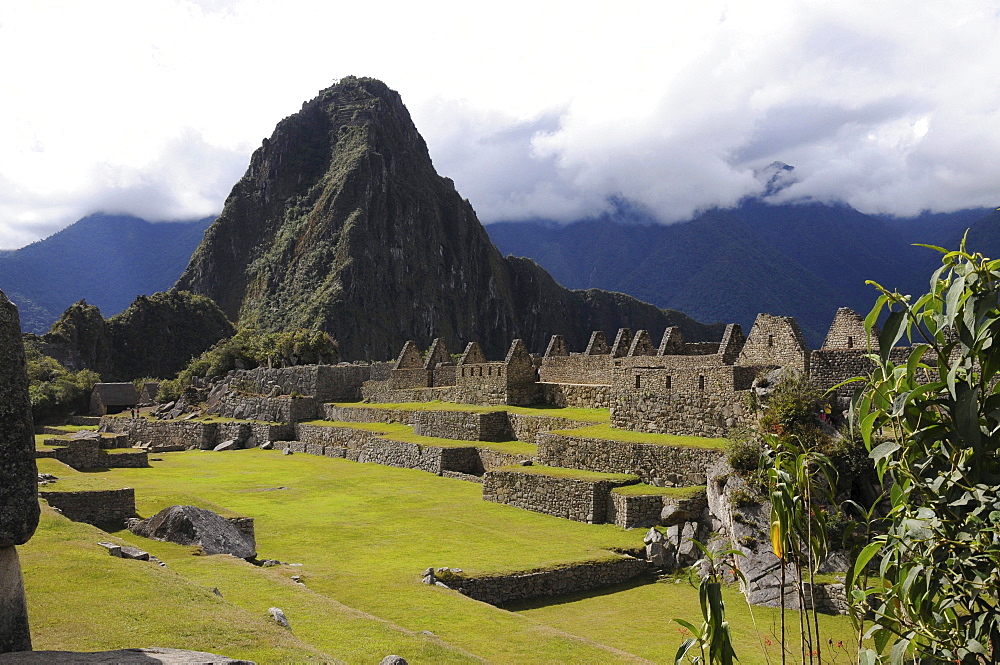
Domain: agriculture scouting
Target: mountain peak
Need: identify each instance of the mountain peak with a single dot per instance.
(341, 223)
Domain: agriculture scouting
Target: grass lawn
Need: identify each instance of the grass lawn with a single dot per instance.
(605, 431)
(576, 474)
(363, 534)
(642, 489)
(570, 413)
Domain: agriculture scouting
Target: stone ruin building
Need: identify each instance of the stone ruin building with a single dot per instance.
(674, 387)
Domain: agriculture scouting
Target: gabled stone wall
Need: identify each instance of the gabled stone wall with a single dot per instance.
(775, 341)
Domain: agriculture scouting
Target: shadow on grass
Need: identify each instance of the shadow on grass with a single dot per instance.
(548, 601)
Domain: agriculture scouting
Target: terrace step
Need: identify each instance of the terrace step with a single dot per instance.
(657, 464)
(572, 494)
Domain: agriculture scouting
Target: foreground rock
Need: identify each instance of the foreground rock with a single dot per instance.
(187, 525)
(18, 479)
(137, 656)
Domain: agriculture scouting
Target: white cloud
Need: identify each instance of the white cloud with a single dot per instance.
(534, 109)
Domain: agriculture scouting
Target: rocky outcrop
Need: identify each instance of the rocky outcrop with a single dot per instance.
(341, 223)
(187, 525)
(19, 509)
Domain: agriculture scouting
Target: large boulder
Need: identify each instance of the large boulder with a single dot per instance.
(19, 509)
(18, 475)
(187, 525)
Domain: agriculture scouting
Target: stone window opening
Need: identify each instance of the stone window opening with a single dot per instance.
(489, 371)
(701, 382)
(668, 383)
(770, 340)
(638, 381)
(850, 342)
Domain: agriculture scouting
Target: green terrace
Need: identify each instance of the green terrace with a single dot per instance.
(605, 431)
(362, 534)
(404, 433)
(642, 489)
(572, 474)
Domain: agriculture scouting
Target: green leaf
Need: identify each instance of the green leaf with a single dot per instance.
(884, 450)
(891, 333)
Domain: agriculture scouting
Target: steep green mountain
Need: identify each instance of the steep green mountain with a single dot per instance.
(105, 259)
(799, 260)
(156, 336)
(342, 224)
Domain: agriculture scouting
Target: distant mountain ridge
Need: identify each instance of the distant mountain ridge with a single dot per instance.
(801, 260)
(106, 259)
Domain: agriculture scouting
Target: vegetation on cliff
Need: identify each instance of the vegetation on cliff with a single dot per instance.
(155, 336)
(55, 392)
(342, 224)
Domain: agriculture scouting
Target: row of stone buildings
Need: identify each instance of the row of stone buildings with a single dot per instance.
(676, 387)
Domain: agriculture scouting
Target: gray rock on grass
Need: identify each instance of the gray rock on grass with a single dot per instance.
(187, 525)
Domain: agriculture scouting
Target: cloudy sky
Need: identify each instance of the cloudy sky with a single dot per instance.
(535, 109)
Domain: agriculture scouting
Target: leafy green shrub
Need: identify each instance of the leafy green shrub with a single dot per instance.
(744, 450)
(54, 391)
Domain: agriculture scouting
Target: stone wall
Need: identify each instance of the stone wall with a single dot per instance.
(634, 511)
(646, 510)
(828, 367)
(160, 434)
(500, 589)
(252, 434)
(587, 396)
(363, 446)
(382, 391)
(463, 425)
(775, 341)
(655, 464)
(105, 509)
(702, 401)
(276, 409)
(526, 428)
(848, 332)
(570, 498)
(361, 414)
(495, 459)
(576, 368)
(132, 459)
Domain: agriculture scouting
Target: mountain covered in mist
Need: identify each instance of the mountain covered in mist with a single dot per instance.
(106, 259)
(801, 260)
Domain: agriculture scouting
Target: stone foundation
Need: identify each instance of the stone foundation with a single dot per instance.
(463, 425)
(105, 509)
(570, 498)
(274, 409)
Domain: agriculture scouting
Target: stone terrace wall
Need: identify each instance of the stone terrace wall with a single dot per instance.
(630, 512)
(177, 434)
(585, 396)
(500, 589)
(327, 383)
(252, 434)
(463, 425)
(360, 414)
(382, 391)
(363, 446)
(828, 367)
(133, 459)
(655, 464)
(526, 428)
(102, 508)
(570, 498)
(277, 409)
(577, 368)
